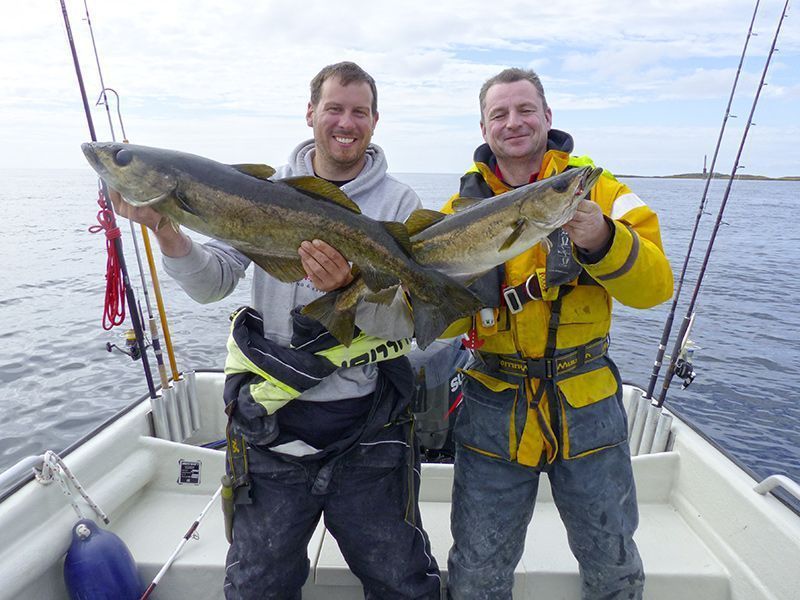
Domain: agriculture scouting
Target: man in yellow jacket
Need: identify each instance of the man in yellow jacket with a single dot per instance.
(542, 394)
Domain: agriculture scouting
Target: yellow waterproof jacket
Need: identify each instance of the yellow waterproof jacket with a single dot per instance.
(634, 271)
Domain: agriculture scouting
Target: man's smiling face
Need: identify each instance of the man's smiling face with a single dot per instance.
(343, 123)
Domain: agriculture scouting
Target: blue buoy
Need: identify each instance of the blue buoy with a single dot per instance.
(99, 566)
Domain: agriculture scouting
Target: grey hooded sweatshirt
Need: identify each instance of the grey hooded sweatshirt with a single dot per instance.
(211, 271)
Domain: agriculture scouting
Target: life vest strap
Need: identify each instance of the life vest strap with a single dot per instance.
(546, 368)
(534, 288)
(517, 296)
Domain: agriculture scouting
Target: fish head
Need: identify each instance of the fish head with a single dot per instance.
(140, 173)
(553, 201)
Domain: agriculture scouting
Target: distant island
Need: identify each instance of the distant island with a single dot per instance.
(715, 176)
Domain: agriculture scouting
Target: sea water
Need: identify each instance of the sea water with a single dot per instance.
(58, 381)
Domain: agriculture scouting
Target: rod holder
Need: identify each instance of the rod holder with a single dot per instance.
(646, 444)
(172, 414)
(638, 424)
(194, 403)
(160, 422)
(661, 437)
(182, 403)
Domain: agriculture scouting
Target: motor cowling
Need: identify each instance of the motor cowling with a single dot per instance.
(437, 393)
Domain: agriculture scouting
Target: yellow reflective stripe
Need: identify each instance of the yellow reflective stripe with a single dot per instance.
(237, 362)
(580, 161)
(272, 396)
(624, 204)
(366, 349)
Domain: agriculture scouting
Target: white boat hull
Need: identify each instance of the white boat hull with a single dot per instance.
(704, 532)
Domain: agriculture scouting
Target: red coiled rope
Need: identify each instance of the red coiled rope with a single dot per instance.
(114, 309)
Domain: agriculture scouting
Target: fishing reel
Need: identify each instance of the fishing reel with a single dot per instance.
(684, 369)
(132, 347)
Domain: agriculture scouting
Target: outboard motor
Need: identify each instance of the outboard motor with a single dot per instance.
(437, 395)
(99, 566)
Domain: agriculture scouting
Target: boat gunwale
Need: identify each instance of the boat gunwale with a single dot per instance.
(17, 485)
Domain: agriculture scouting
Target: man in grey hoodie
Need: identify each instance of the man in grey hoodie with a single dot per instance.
(343, 448)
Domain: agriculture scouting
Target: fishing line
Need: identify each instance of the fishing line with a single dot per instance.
(112, 232)
(662, 346)
(682, 334)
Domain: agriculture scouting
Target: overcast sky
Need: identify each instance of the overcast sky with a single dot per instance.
(642, 86)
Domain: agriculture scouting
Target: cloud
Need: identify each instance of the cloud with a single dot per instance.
(224, 76)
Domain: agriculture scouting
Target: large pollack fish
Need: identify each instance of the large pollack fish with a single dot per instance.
(267, 221)
(480, 235)
(484, 233)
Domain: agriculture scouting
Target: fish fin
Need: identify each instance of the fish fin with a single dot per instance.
(462, 203)
(378, 280)
(287, 270)
(323, 190)
(340, 322)
(165, 221)
(255, 170)
(519, 227)
(399, 232)
(422, 219)
(184, 203)
(431, 320)
(383, 297)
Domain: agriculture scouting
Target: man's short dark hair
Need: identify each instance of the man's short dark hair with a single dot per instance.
(346, 72)
(510, 76)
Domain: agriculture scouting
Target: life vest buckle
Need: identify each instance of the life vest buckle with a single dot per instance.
(513, 301)
(531, 290)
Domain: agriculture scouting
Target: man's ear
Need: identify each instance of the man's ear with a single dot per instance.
(310, 115)
(483, 130)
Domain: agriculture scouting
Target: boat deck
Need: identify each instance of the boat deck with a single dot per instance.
(677, 562)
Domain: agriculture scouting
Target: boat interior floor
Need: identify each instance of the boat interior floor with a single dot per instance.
(678, 563)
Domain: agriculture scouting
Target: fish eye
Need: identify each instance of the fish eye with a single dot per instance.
(561, 185)
(123, 157)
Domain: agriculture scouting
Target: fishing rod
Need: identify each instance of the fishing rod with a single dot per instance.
(662, 346)
(682, 334)
(103, 99)
(154, 337)
(112, 231)
(186, 537)
(176, 413)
